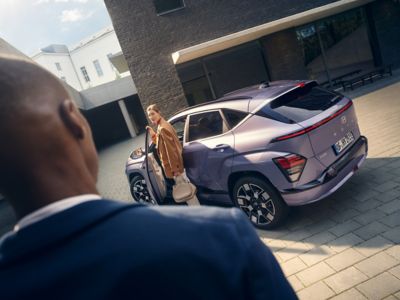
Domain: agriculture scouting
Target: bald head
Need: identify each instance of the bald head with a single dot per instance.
(42, 132)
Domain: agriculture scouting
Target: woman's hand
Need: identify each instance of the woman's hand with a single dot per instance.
(151, 131)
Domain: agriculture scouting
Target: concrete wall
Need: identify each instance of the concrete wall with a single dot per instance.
(108, 92)
(148, 40)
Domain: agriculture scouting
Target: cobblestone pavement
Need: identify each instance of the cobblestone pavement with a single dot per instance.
(344, 247)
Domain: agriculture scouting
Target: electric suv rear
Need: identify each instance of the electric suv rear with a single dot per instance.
(263, 149)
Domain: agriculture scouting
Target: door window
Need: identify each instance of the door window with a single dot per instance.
(179, 126)
(205, 125)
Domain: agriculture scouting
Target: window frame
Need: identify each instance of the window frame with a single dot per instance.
(235, 110)
(58, 66)
(85, 76)
(171, 10)
(98, 68)
(225, 126)
(172, 122)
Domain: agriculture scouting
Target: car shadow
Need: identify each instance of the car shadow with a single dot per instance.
(366, 206)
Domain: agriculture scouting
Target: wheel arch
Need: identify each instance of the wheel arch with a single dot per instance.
(234, 177)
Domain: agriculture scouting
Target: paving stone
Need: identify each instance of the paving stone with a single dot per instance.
(316, 255)
(276, 245)
(387, 186)
(346, 215)
(344, 228)
(365, 194)
(352, 294)
(394, 252)
(296, 236)
(377, 264)
(315, 273)
(345, 279)
(393, 234)
(318, 291)
(272, 234)
(344, 242)
(293, 266)
(299, 224)
(373, 246)
(391, 206)
(397, 295)
(344, 259)
(368, 205)
(293, 250)
(390, 298)
(368, 231)
(380, 286)
(388, 196)
(395, 271)
(392, 220)
(320, 226)
(295, 283)
(369, 217)
(319, 239)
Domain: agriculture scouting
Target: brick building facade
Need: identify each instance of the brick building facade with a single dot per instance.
(206, 48)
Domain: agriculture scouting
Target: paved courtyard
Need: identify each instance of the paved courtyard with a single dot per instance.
(345, 247)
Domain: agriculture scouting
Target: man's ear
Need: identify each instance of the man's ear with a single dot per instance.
(72, 118)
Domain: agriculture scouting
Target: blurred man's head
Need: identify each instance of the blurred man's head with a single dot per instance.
(46, 147)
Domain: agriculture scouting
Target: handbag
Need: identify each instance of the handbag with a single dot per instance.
(183, 190)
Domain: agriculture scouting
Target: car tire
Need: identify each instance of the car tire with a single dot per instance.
(139, 190)
(260, 201)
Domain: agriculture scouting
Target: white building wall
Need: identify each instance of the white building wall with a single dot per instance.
(98, 49)
(49, 60)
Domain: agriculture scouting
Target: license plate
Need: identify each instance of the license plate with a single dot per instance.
(342, 144)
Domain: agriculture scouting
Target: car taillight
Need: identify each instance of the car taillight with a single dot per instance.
(291, 165)
(314, 126)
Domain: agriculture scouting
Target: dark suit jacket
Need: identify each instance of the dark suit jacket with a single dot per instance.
(110, 250)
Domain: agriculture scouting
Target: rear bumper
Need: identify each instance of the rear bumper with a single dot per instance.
(331, 179)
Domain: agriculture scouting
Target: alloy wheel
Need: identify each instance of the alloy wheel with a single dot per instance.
(256, 203)
(141, 193)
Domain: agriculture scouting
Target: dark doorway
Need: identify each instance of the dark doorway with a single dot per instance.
(107, 124)
(136, 113)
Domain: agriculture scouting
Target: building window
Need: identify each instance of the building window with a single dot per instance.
(58, 66)
(85, 74)
(167, 6)
(63, 78)
(97, 66)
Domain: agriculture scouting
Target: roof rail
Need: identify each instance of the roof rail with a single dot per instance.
(215, 101)
(263, 85)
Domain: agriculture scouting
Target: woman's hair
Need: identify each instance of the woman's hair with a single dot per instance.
(153, 107)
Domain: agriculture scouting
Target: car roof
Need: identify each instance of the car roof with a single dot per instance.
(246, 99)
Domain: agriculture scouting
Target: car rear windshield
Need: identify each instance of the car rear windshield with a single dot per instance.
(302, 103)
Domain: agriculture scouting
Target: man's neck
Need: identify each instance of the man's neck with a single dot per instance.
(48, 189)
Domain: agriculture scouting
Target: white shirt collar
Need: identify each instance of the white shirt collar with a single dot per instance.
(53, 208)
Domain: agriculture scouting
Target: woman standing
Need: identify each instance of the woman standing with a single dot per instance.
(168, 146)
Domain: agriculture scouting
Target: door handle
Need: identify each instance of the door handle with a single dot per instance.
(221, 147)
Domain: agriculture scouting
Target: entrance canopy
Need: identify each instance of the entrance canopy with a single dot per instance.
(256, 32)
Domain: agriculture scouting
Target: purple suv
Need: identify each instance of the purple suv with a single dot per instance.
(262, 149)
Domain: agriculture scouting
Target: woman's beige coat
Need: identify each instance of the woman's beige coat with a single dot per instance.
(169, 149)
